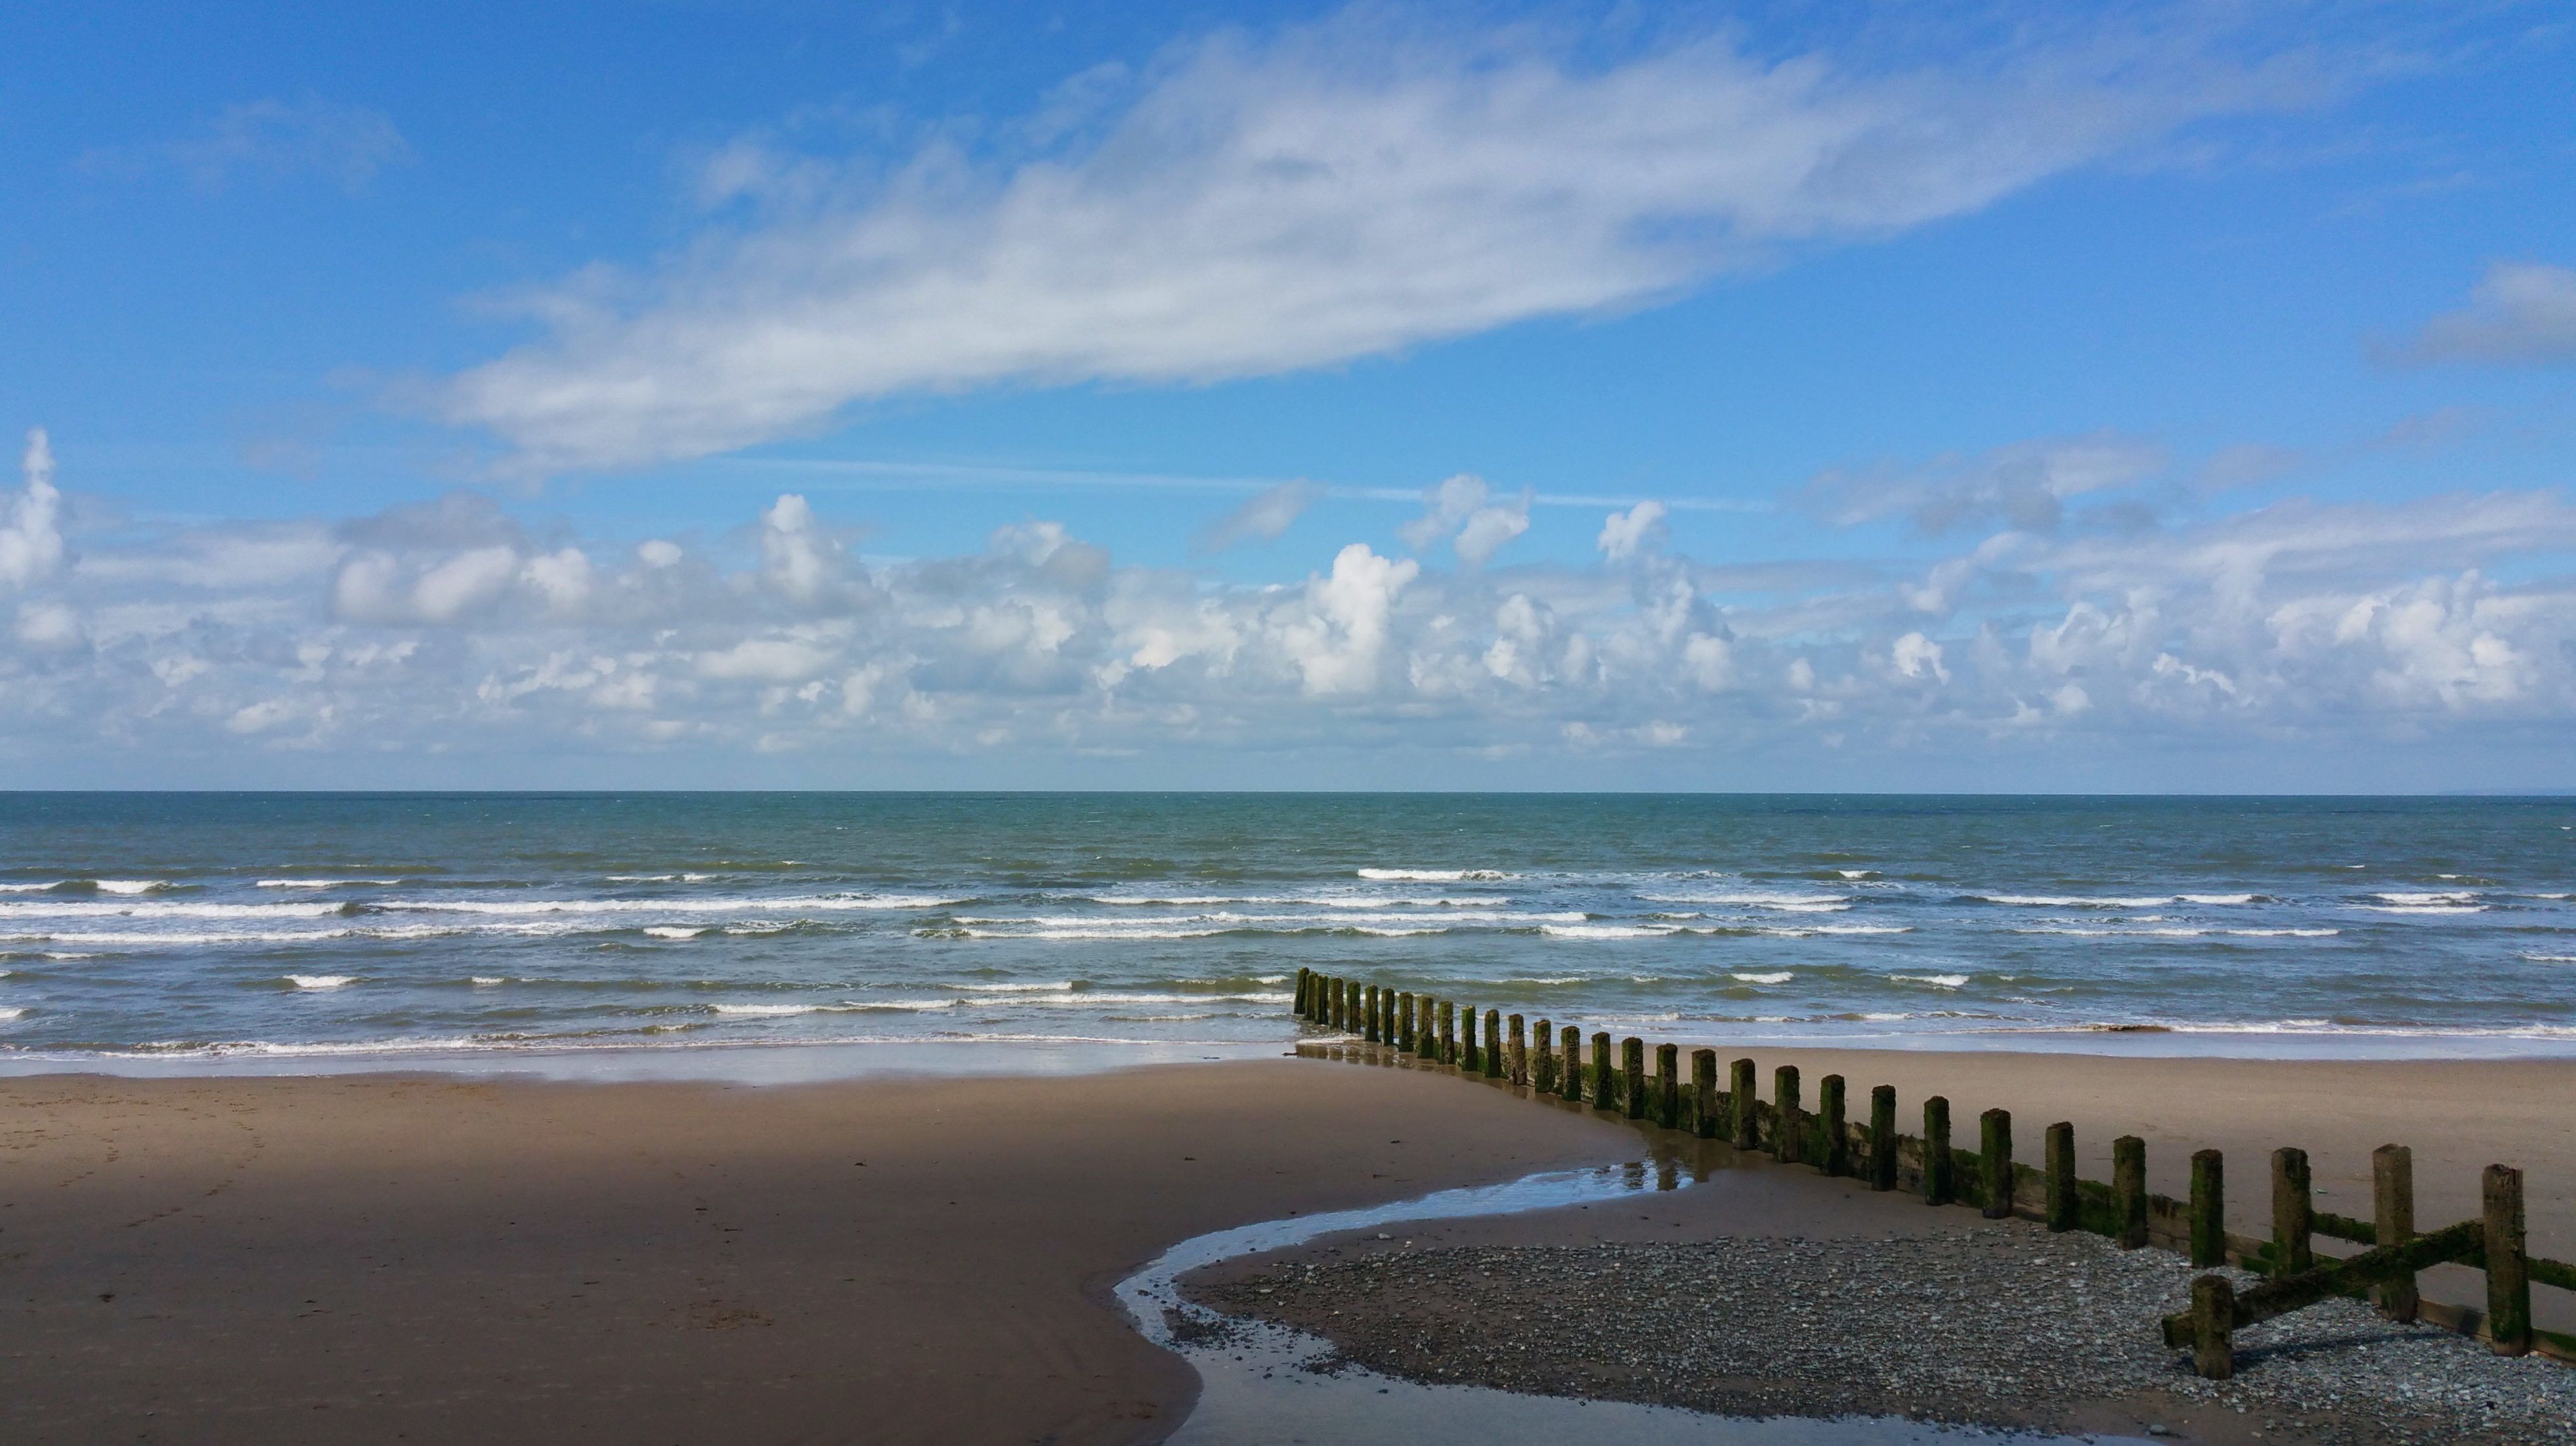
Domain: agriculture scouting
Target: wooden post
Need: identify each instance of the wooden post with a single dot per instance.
(2294, 1214)
(1470, 1058)
(1425, 1029)
(1299, 1008)
(1404, 1021)
(2065, 1208)
(1542, 1059)
(1493, 1044)
(1516, 1057)
(1882, 1137)
(1668, 1086)
(1832, 1152)
(2392, 1198)
(1372, 1032)
(1605, 1075)
(1704, 1092)
(2508, 1268)
(1569, 1084)
(1787, 1119)
(1994, 1151)
(2213, 1323)
(2208, 1208)
(1939, 1186)
(2129, 1190)
(1632, 1074)
(1334, 1011)
(1449, 1031)
(1739, 1076)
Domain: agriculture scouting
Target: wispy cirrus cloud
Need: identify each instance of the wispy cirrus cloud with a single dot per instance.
(2520, 313)
(273, 139)
(1330, 192)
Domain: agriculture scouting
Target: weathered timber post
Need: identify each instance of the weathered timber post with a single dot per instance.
(1605, 1075)
(1426, 1031)
(1299, 1008)
(1994, 1152)
(1386, 1016)
(1493, 1044)
(1516, 1057)
(2213, 1324)
(1785, 1114)
(2129, 1191)
(1369, 1030)
(1668, 1086)
(1338, 1014)
(2508, 1268)
(1704, 1092)
(1404, 1021)
(1470, 1058)
(1882, 1137)
(2392, 1198)
(1542, 1059)
(1939, 1186)
(1632, 1073)
(1832, 1153)
(1748, 1124)
(2294, 1214)
(1569, 1084)
(1449, 1031)
(2065, 1208)
(2208, 1208)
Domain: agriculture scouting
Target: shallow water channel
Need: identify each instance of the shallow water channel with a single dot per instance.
(1255, 1385)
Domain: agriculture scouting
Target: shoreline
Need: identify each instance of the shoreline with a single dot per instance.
(546, 1260)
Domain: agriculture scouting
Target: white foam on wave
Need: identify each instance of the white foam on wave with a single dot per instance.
(1778, 976)
(96, 909)
(2283, 933)
(1432, 876)
(871, 1006)
(1809, 931)
(129, 886)
(816, 903)
(675, 931)
(321, 883)
(10, 1012)
(1057, 987)
(1858, 873)
(2072, 901)
(321, 981)
(2425, 909)
(485, 981)
(2426, 899)
(2220, 898)
(28, 888)
(2551, 958)
(1760, 899)
(1603, 931)
(1937, 981)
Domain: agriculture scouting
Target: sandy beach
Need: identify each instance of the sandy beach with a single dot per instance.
(392, 1257)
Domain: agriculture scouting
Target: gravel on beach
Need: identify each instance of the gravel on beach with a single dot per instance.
(1997, 1326)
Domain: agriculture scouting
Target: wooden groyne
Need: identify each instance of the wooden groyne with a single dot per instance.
(1613, 1076)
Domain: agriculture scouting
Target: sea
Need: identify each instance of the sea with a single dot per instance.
(199, 930)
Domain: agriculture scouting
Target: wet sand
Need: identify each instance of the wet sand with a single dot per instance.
(385, 1257)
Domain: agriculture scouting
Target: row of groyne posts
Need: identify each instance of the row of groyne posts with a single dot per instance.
(1443, 1033)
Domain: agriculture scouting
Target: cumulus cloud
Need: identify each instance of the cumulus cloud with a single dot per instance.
(1460, 511)
(444, 627)
(31, 544)
(1333, 191)
(1265, 515)
(2520, 313)
(1633, 533)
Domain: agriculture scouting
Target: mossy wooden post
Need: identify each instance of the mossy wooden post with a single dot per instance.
(1373, 1031)
(2208, 1208)
(1994, 1154)
(1542, 1059)
(2508, 1267)
(1404, 1021)
(1785, 1114)
(1333, 1005)
(1704, 1093)
(2294, 1214)
(1832, 1146)
(2392, 1199)
(1493, 1044)
(1940, 1187)
(1569, 1084)
(1516, 1056)
(1470, 1058)
(1668, 1086)
(1449, 1031)
(1299, 1008)
(1605, 1075)
(2213, 1324)
(2129, 1191)
(1882, 1137)
(1748, 1123)
(2065, 1208)
(1632, 1076)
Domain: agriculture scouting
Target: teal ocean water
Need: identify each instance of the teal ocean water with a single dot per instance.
(194, 926)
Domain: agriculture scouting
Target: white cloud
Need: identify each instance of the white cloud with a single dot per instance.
(1340, 190)
(1633, 533)
(278, 138)
(1457, 509)
(31, 544)
(1265, 515)
(2024, 486)
(1337, 638)
(2520, 312)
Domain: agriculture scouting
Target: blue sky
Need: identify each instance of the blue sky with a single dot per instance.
(2138, 397)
